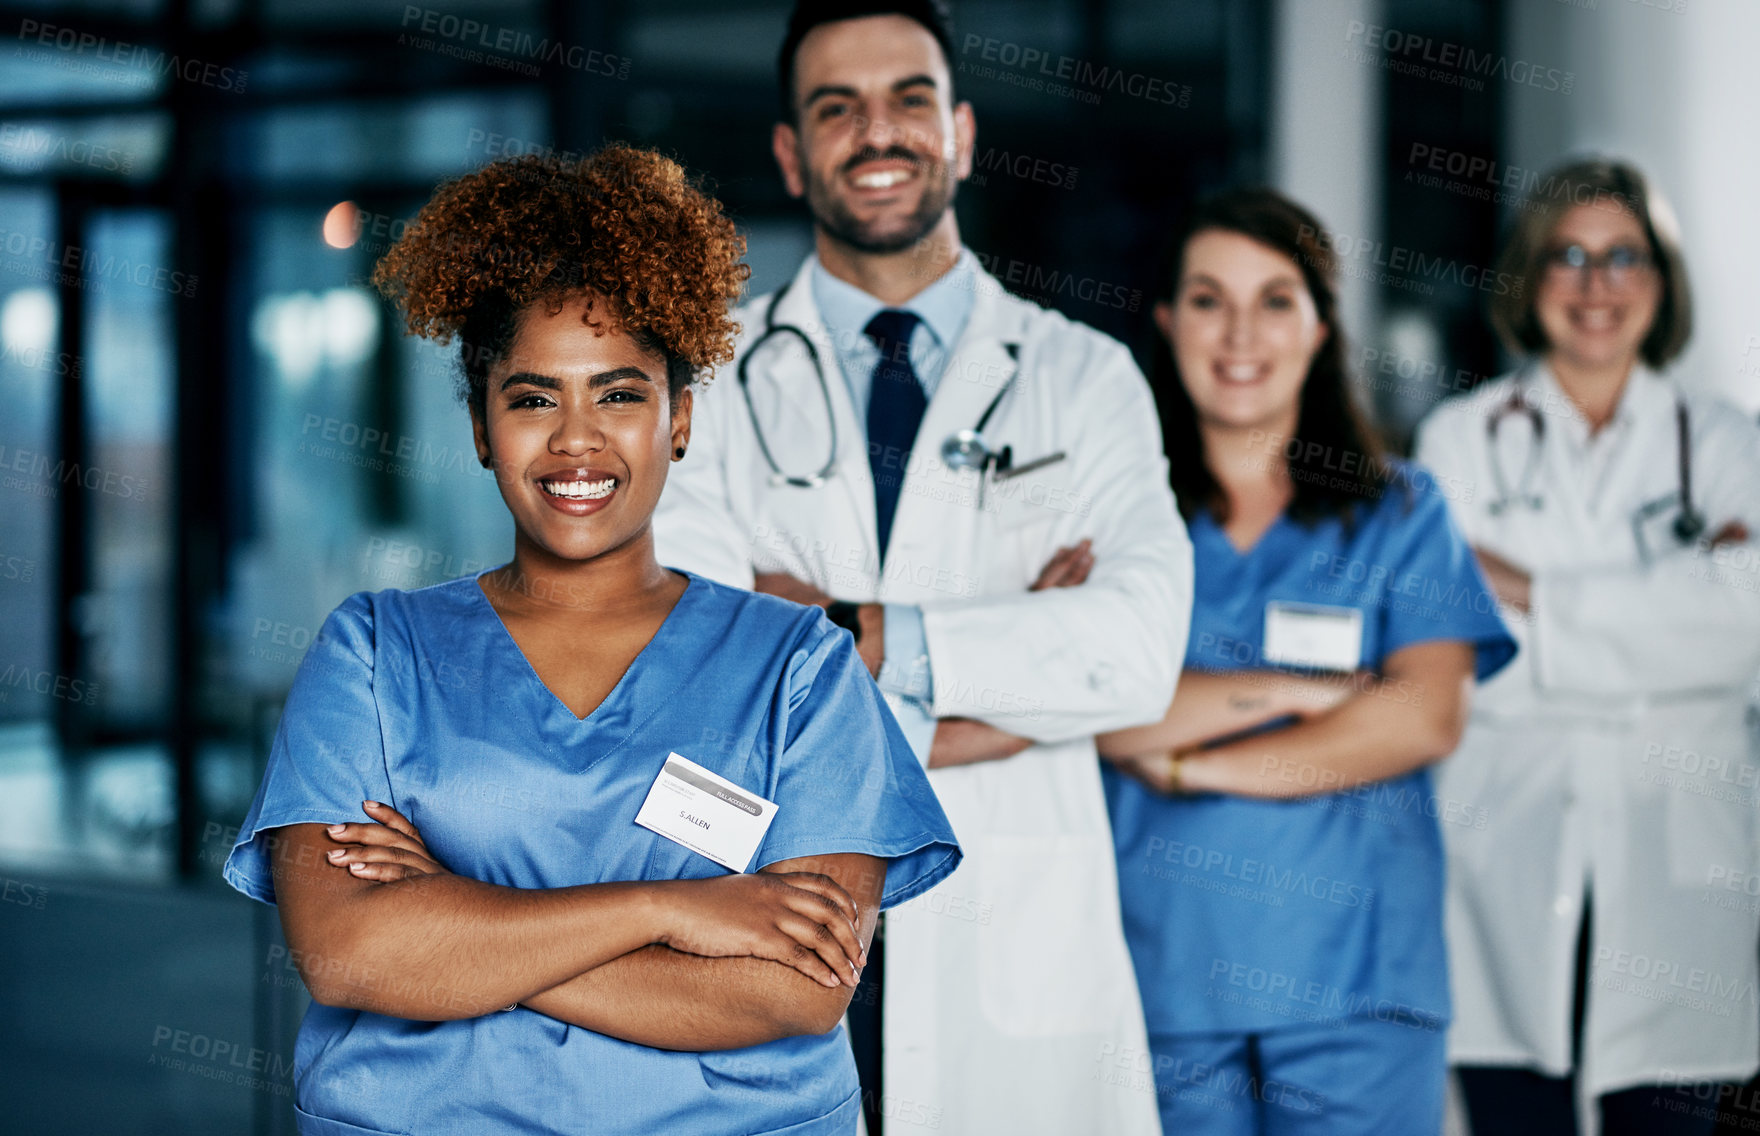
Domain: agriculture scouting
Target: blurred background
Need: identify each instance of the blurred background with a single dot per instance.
(211, 431)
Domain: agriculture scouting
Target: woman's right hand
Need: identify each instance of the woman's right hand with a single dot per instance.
(800, 919)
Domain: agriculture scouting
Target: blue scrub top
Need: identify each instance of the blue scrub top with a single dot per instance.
(423, 700)
(1246, 914)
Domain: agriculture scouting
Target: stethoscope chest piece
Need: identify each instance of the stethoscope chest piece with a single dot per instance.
(778, 479)
(965, 449)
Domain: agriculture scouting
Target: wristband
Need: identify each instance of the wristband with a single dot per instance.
(1176, 778)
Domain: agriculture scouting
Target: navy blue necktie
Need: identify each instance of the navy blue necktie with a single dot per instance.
(895, 409)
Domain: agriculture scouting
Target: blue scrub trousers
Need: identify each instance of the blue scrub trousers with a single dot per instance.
(1366, 1077)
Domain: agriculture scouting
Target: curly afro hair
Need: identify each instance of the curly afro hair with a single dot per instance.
(624, 225)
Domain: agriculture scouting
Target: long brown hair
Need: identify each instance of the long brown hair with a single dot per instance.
(1336, 460)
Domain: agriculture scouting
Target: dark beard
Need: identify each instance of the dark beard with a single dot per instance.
(836, 219)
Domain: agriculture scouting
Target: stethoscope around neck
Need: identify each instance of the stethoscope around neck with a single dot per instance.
(1689, 522)
(963, 449)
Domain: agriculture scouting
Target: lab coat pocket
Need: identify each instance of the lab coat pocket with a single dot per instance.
(1709, 799)
(1023, 551)
(1034, 513)
(1040, 975)
(1020, 543)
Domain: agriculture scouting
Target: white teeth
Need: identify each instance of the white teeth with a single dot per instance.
(580, 490)
(881, 179)
(1241, 372)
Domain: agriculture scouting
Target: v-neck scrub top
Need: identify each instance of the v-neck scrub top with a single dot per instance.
(1247, 914)
(422, 699)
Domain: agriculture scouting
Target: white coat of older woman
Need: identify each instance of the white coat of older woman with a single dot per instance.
(1615, 510)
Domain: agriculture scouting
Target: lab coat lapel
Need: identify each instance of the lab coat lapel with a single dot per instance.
(1567, 505)
(1647, 408)
(981, 365)
(976, 372)
(1588, 498)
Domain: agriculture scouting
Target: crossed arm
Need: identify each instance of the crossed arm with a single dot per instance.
(957, 741)
(377, 923)
(1342, 731)
(1346, 731)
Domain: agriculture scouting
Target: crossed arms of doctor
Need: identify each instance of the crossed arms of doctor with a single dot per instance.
(1689, 620)
(377, 923)
(1346, 729)
(1053, 664)
(957, 741)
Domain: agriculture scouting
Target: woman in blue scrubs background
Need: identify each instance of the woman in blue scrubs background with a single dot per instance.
(599, 747)
(1279, 856)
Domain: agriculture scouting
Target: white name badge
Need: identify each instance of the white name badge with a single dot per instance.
(1313, 635)
(706, 813)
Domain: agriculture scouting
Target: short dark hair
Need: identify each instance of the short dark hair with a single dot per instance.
(809, 14)
(1328, 421)
(1600, 183)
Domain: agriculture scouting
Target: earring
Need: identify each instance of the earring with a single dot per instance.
(678, 453)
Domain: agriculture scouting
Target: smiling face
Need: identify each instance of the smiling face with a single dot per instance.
(1594, 319)
(877, 147)
(1243, 329)
(579, 428)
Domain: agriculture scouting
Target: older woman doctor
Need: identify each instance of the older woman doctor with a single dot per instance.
(1600, 944)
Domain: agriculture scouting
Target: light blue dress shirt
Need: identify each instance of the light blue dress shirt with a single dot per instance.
(942, 309)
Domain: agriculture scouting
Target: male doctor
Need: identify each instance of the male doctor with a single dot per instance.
(821, 467)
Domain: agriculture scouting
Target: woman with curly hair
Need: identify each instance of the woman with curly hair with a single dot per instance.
(569, 763)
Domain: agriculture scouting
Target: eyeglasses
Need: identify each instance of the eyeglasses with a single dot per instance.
(1621, 266)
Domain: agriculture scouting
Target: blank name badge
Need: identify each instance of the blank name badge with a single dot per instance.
(706, 813)
(1314, 636)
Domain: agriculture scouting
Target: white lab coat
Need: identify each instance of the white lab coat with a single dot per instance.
(1010, 1002)
(1612, 753)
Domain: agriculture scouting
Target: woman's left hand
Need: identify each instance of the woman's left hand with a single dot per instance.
(384, 851)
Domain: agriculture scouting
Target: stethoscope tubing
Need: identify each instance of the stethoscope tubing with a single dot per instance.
(1688, 524)
(958, 457)
(771, 327)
